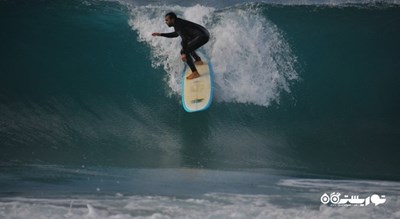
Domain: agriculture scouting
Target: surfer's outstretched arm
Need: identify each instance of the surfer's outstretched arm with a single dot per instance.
(168, 35)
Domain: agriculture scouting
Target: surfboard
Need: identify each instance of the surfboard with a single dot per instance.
(197, 94)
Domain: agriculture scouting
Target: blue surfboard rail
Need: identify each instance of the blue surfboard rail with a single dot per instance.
(211, 90)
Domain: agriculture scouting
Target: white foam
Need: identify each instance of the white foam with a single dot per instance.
(212, 205)
(165, 52)
(346, 185)
(252, 61)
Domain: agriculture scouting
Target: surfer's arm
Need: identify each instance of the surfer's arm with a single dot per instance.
(170, 35)
(184, 45)
(183, 50)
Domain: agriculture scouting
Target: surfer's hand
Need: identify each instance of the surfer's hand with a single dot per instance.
(183, 56)
(155, 34)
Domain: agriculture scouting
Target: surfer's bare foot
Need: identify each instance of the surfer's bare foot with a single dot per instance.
(194, 75)
(199, 62)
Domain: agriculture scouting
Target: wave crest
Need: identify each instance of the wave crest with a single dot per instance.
(252, 61)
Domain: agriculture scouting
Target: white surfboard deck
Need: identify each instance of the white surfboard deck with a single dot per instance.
(197, 94)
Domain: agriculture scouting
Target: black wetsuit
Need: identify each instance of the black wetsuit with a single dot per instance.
(193, 37)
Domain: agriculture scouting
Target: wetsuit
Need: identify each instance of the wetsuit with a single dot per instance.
(193, 37)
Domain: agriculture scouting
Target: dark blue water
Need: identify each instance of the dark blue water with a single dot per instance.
(90, 107)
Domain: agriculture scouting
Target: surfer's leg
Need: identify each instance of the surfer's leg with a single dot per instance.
(195, 73)
(189, 61)
(197, 59)
(190, 48)
(196, 43)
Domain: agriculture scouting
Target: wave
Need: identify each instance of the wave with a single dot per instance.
(183, 193)
(252, 61)
(297, 87)
(224, 4)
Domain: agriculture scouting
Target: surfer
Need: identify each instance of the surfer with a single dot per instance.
(193, 37)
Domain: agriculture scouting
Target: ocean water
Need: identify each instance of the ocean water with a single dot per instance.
(306, 102)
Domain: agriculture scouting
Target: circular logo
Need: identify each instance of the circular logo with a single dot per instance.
(325, 198)
(335, 198)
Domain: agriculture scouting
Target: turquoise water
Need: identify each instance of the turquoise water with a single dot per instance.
(305, 92)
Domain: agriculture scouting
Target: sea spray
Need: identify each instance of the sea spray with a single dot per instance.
(253, 62)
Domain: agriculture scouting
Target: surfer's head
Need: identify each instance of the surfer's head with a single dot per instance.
(170, 18)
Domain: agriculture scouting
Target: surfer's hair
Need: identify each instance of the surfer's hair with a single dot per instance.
(171, 15)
